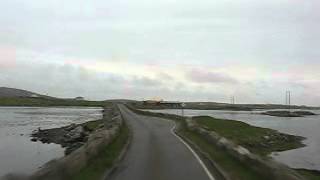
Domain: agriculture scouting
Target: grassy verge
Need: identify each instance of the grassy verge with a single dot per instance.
(235, 169)
(309, 174)
(253, 138)
(262, 141)
(105, 159)
(41, 102)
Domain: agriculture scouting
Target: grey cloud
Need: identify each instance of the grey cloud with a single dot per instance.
(202, 76)
(268, 35)
(164, 76)
(70, 81)
(231, 31)
(146, 82)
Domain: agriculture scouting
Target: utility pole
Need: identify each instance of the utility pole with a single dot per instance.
(182, 108)
(288, 99)
(232, 100)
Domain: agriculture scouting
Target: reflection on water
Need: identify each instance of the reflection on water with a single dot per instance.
(17, 153)
(307, 157)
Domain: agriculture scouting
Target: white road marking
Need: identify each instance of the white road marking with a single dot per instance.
(194, 153)
(210, 176)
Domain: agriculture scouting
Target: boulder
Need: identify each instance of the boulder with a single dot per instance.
(75, 134)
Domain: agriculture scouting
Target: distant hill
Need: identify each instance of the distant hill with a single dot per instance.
(12, 92)
(121, 100)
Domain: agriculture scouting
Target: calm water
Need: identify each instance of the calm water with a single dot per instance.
(307, 157)
(17, 153)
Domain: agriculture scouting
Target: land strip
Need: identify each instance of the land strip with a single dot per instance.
(235, 168)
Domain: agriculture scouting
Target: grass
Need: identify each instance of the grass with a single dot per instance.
(42, 102)
(246, 135)
(258, 140)
(92, 125)
(105, 159)
(235, 169)
(309, 174)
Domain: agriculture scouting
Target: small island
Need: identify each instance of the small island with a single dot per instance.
(289, 113)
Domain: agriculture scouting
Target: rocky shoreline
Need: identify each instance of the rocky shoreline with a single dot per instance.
(289, 113)
(69, 137)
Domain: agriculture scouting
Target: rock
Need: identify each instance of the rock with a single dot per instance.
(44, 140)
(75, 135)
(266, 137)
(304, 113)
(34, 132)
(77, 130)
(271, 142)
(71, 127)
(241, 150)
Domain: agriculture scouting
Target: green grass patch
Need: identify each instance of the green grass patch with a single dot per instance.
(92, 125)
(233, 167)
(258, 140)
(105, 159)
(309, 174)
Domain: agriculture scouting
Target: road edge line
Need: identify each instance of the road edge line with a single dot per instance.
(193, 152)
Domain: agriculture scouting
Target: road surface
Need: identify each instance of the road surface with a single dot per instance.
(156, 153)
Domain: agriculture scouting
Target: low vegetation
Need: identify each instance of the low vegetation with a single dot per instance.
(289, 113)
(309, 174)
(258, 140)
(105, 159)
(92, 125)
(43, 102)
(235, 169)
(219, 106)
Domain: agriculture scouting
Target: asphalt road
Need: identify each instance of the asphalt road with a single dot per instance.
(156, 153)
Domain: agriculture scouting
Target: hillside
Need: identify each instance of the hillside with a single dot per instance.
(6, 92)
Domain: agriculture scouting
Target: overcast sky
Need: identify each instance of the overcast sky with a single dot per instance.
(193, 50)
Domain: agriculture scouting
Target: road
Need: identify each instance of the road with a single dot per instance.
(156, 153)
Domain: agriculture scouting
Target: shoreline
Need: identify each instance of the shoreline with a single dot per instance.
(70, 137)
(289, 113)
(103, 141)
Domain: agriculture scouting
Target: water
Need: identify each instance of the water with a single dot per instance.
(17, 153)
(307, 157)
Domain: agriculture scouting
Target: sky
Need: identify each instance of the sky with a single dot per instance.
(186, 50)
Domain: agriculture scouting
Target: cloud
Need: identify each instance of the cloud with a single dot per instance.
(146, 82)
(132, 49)
(7, 57)
(203, 76)
(164, 76)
